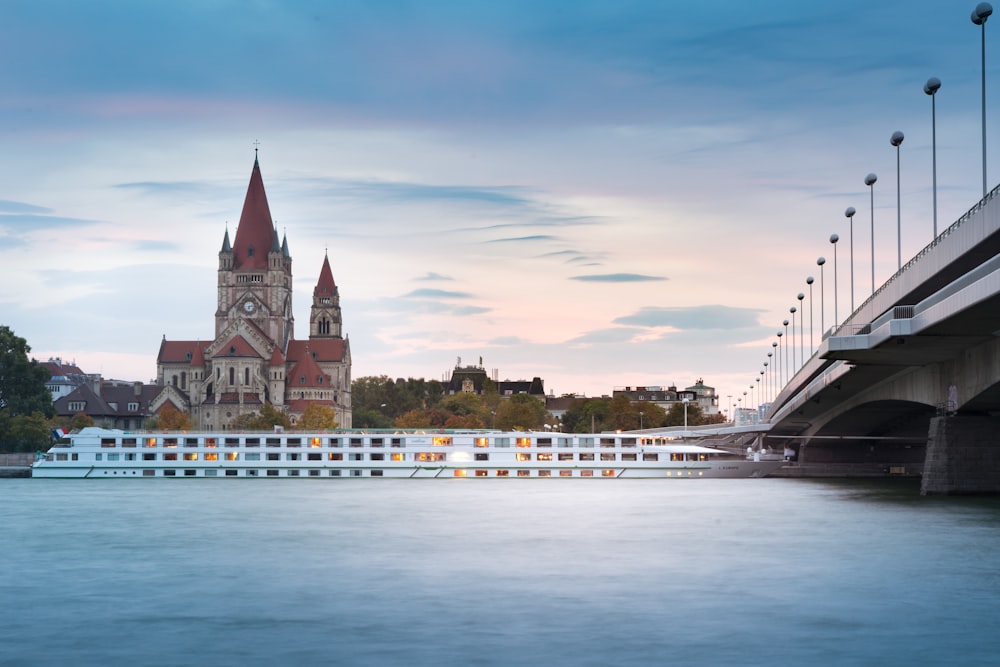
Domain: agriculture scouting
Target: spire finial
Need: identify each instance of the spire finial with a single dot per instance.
(256, 143)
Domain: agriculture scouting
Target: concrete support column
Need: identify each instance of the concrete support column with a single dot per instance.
(963, 456)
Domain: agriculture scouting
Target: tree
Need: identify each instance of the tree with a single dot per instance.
(170, 419)
(520, 412)
(25, 402)
(268, 417)
(675, 416)
(318, 417)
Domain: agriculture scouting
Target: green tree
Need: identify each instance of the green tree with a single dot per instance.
(318, 417)
(268, 417)
(520, 412)
(24, 400)
(675, 415)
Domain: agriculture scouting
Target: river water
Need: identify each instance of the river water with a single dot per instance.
(495, 572)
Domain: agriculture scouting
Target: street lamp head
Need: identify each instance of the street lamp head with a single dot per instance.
(870, 179)
(932, 85)
(779, 333)
(981, 13)
(785, 323)
(821, 261)
(800, 296)
(793, 310)
(833, 237)
(896, 139)
(850, 212)
(809, 280)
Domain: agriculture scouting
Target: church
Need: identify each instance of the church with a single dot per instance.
(254, 358)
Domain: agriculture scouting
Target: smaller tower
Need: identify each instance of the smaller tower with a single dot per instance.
(324, 317)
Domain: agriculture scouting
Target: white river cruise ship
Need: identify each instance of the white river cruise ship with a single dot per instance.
(103, 453)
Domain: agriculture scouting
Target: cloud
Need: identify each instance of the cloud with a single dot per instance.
(432, 276)
(521, 239)
(693, 317)
(27, 222)
(403, 192)
(7, 206)
(427, 293)
(618, 278)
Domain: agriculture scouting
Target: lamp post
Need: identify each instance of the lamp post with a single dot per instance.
(870, 182)
(767, 382)
(685, 401)
(931, 88)
(820, 261)
(774, 378)
(788, 369)
(979, 16)
(762, 397)
(794, 367)
(640, 420)
(850, 216)
(896, 139)
(802, 330)
(833, 241)
(809, 281)
(781, 366)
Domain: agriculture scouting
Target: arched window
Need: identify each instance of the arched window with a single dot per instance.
(174, 381)
(246, 376)
(302, 379)
(232, 375)
(184, 380)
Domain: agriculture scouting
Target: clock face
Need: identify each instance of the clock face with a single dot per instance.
(248, 306)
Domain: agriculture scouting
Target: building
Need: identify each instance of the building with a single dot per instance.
(253, 358)
(699, 393)
(470, 379)
(110, 403)
(63, 377)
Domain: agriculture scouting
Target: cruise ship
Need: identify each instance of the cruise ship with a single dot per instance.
(104, 453)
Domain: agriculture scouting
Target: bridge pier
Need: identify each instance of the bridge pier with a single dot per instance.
(963, 456)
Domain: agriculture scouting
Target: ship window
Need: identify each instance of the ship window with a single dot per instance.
(190, 456)
(607, 473)
(335, 456)
(376, 473)
(523, 456)
(586, 442)
(98, 456)
(650, 457)
(355, 473)
(231, 473)
(252, 456)
(378, 457)
(112, 457)
(169, 473)
(376, 442)
(482, 442)
(545, 457)
(232, 456)
(544, 442)
(314, 473)
(628, 442)
(356, 457)
(607, 442)
(272, 473)
(293, 456)
(149, 457)
(545, 473)
(292, 473)
(460, 473)
(273, 456)
(503, 473)
(501, 442)
(253, 473)
(272, 442)
(523, 442)
(170, 456)
(212, 456)
(482, 473)
(523, 473)
(482, 456)
(607, 456)
(211, 473)
(586, 473)
(566, 456)
(398, 456)
(315, 456)
(589, 456)
(190, 473)
(628, 456)
(565, 473)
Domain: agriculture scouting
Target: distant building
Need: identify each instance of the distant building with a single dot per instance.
(470, 380)
(64, 377)
(699, 394)
(110, 403)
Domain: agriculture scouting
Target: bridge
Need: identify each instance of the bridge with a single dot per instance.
(910, 381)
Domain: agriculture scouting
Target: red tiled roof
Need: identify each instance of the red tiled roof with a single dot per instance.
(306, 373)
(299, 405)
(256, 229)
(325, 286)
(237, 346)
(322, 349)
(181, 351)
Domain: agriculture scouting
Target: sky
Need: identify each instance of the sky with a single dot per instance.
(600, 194)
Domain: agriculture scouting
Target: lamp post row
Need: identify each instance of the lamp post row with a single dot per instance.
(777, 373)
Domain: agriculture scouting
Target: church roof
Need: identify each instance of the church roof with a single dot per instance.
(181, 351)
(321, 349)
(307, 373)
(255, 233)
(237, 346)
(325, 285)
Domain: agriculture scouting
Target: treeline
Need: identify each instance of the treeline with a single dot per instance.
(381, 402)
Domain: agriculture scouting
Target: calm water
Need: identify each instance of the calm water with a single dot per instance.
(495, 572)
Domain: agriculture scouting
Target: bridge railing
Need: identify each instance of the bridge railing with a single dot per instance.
(954, 227)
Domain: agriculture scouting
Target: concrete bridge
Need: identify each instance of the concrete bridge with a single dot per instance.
(910, 382)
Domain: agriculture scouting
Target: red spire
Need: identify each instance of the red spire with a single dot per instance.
(255, 231)
(325, 284)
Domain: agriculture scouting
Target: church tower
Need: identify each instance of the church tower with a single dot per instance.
(324, 318)
(255, 273)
